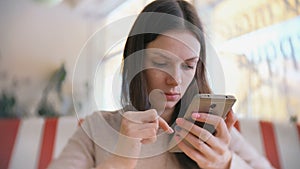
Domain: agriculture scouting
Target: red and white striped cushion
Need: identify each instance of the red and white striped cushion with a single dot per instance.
(32, 143)
(279, 142)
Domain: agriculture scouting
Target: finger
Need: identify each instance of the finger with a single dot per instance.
(194, 129)
(218, 122)
(207, 118)
(230, 119)
(148, 140)
(198, 145)
(145, 133)
(191, 152)
(146, 126)
(134, 130)
(128, 126)
(201, 133)
(165, 126)
(141, 116)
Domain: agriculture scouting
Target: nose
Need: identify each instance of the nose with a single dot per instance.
(174, 77)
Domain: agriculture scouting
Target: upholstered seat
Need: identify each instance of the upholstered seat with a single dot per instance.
(32, 143)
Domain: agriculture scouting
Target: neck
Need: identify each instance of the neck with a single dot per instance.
(167, 115)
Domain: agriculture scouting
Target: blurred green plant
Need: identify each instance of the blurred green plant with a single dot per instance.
(7, 101)
(45, 107)
(49, 2)
(7, 104)
(294, 119)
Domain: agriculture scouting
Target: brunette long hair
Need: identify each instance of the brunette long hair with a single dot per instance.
(151, 22)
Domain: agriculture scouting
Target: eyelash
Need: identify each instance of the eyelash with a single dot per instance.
(186, 66)
(159, 64)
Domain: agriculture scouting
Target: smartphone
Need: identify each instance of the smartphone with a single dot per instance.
(214, 104)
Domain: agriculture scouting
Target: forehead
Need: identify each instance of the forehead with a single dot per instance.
(182, 44)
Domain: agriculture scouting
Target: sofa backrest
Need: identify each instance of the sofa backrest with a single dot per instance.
(33, 143)
(279, 142)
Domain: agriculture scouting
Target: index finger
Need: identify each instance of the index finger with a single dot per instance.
(214, 120)
(164, 125)
(141, 116)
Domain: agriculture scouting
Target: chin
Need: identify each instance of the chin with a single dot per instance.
(171, 104)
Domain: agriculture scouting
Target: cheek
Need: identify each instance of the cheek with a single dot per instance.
(187, 79)
(154, 77)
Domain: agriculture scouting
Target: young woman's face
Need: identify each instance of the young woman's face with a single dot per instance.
(171, 61)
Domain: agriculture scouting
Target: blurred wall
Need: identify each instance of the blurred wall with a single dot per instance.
(35, 39)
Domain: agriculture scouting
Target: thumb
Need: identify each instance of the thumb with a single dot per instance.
(164, 125)
(230, 119)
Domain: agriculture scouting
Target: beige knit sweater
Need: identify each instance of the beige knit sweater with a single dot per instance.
(94, 141)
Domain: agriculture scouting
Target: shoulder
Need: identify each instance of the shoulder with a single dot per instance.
(99, 118)
(112, 117)
(102, 128)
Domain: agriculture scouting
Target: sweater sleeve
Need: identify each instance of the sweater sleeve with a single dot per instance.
(244, 155)
(78, 153)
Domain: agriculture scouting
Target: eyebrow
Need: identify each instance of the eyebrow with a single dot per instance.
(192, 59)
(161, 55)
(168, 58)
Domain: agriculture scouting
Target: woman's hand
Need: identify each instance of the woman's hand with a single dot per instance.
(143, 125)
(207, 150)
(137, 128)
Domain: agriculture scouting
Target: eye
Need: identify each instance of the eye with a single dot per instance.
(159, 64)
(187, 66)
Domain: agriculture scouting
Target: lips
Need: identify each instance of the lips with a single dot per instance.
(172, 96)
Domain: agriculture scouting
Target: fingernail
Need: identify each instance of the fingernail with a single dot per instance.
(195, 115)
(177, 138)
(179, 121)
(177, 128)
(201, 143)
(170, 130)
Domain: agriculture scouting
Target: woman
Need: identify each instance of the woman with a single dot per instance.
(164, 67)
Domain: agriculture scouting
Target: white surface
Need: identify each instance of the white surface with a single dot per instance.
(27, 146)
(288, 145)
(66, 126)
(250, 129)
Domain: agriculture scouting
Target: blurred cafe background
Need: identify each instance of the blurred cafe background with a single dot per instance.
(60, 58)
(258, 46)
